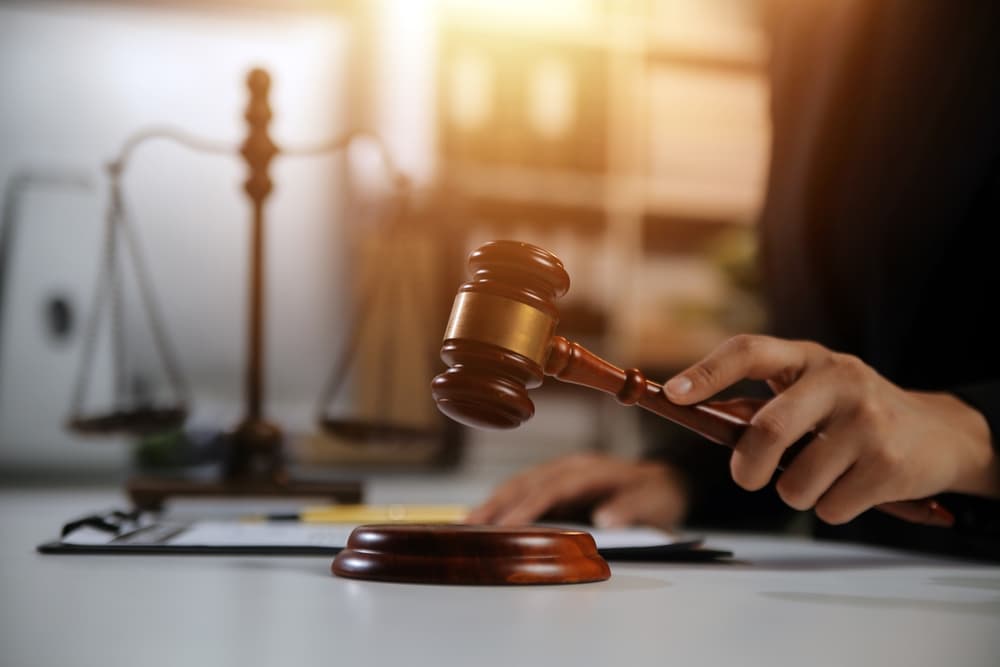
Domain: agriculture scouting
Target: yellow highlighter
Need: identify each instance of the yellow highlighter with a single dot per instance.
(372, 514)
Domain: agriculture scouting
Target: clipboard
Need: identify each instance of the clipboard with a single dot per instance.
(143, 533)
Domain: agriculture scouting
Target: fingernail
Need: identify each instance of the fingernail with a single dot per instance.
(679, 385)
(605, 519)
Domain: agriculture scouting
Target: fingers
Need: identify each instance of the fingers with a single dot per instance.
(813, 384)
(631, 492)
(741, 357)
(655, 502)
(531, 494)
(821, 463)
(878, 475)
(852, 494)
(485, 512)
(506, 495)
(876, 442)
(563, 487)
(777, 425)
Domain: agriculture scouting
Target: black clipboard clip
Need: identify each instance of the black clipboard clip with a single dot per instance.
(115, 522)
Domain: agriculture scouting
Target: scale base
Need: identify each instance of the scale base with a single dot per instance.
(149, 493)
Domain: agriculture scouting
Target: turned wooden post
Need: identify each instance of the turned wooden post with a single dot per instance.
(258, 149)
(256, 443)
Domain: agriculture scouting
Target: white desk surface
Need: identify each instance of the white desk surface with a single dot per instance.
(787, 601)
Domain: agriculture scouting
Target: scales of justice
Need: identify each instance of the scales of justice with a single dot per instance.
(253, 462)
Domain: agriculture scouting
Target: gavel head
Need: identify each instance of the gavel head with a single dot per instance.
(498, 337)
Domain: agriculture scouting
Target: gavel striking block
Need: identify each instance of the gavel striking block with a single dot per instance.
(500, 342)
(465, 554)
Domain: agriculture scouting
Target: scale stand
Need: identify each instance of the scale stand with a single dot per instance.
(253, 464)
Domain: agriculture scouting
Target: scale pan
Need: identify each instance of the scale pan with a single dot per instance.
(141, 421)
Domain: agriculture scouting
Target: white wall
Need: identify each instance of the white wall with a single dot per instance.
(75, 80)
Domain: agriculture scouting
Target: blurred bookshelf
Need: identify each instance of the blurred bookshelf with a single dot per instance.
(631, 139)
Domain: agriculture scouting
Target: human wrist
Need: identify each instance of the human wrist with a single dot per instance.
(978, 466)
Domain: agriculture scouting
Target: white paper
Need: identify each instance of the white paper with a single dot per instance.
(263, 534)
(621, 538)
(227, 533)
(230, 533)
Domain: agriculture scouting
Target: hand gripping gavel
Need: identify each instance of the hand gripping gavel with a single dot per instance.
(500, 342)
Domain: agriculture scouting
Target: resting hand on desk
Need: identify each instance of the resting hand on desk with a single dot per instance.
(875, 442)
(617, 492)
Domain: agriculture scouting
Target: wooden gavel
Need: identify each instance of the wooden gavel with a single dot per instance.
(500, 342)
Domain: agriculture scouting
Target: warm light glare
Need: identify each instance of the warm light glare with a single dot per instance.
(471, 86)
(403, 81)
(724, 29)
(552, 98)
(527, 13)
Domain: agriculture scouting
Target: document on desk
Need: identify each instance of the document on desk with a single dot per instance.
(334, 536)
(228, 536)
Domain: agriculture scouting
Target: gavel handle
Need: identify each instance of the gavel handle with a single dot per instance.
(571, 362)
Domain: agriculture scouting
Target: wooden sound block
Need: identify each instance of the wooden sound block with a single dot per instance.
(464, 554)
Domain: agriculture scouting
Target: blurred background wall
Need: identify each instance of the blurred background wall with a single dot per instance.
(628, 137)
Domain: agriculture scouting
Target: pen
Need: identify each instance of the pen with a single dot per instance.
(370, 514)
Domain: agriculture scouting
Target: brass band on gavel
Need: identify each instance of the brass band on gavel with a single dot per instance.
(506, 323)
